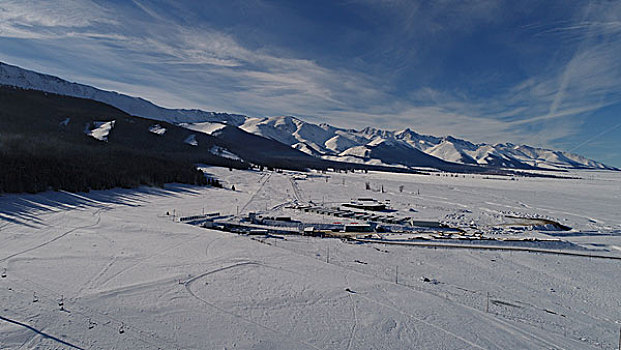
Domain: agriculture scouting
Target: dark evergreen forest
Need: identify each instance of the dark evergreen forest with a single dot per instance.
(43, 146)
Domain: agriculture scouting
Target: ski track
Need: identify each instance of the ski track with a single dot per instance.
(189, 283)
(352, 333)
(505, 325)
(549, 277)
(297, 192)
(265, 179)
(210, 244)
(103, 320)
(147, 258)
(501, 321)
(456, 336)
(90, 284)
(75, 306)
(346, 268)
(57, 237)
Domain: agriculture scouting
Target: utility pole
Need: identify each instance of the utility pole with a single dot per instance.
(397, 274)
(328, 255)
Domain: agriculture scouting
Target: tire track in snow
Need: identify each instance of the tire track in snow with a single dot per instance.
(348, 269)
(154, 255)
(91, 282)
(80, 308)
(297, 193)
(352, 334)
(57, 237)
(420, 320)
(506, 326)
(77, 307)
(210, 244)
(189, 283)
(252, 198)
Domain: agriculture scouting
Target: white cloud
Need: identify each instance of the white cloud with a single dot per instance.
(44, 19)
(178, 65)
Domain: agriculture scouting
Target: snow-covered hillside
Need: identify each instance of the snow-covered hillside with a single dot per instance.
(204, 127)
(99, 130)
(336, 143)
(369, 145)
(19, 77)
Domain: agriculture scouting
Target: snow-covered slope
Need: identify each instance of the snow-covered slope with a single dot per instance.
(19, 77)
(341, 144)
(99, 130)
(204, 127)
(191, 140)
(320, 140)
(120, 263)
(157, 129)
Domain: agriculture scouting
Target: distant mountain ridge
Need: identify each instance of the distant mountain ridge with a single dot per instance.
(351, 145)
(403, 148)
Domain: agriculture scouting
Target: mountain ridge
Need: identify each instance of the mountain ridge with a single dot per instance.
(333, 143)
(27, 79)
(322, 140)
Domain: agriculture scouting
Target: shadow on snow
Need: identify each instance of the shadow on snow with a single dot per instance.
(25, 209)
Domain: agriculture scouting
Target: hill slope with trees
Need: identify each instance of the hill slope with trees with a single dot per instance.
(44, 144)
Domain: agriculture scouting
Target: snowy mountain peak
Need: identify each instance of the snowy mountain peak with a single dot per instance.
(342, 144)
(370, 145)
(404, 133)
(371, 131)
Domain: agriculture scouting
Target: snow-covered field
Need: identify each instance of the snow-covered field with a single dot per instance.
(130, 277)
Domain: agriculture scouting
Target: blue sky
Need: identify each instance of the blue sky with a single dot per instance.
(544, 73)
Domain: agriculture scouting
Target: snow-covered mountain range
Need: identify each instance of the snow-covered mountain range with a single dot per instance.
(351, 145)
(404, 148)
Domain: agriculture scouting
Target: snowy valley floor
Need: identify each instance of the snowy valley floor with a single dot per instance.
(130, 277)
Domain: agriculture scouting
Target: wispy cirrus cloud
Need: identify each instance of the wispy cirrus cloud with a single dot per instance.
(405, 78)
(39, 19)
(191, 58)
(550, 105)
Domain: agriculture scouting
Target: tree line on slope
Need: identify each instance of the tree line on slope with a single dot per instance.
(37, 153)
(39, 167)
